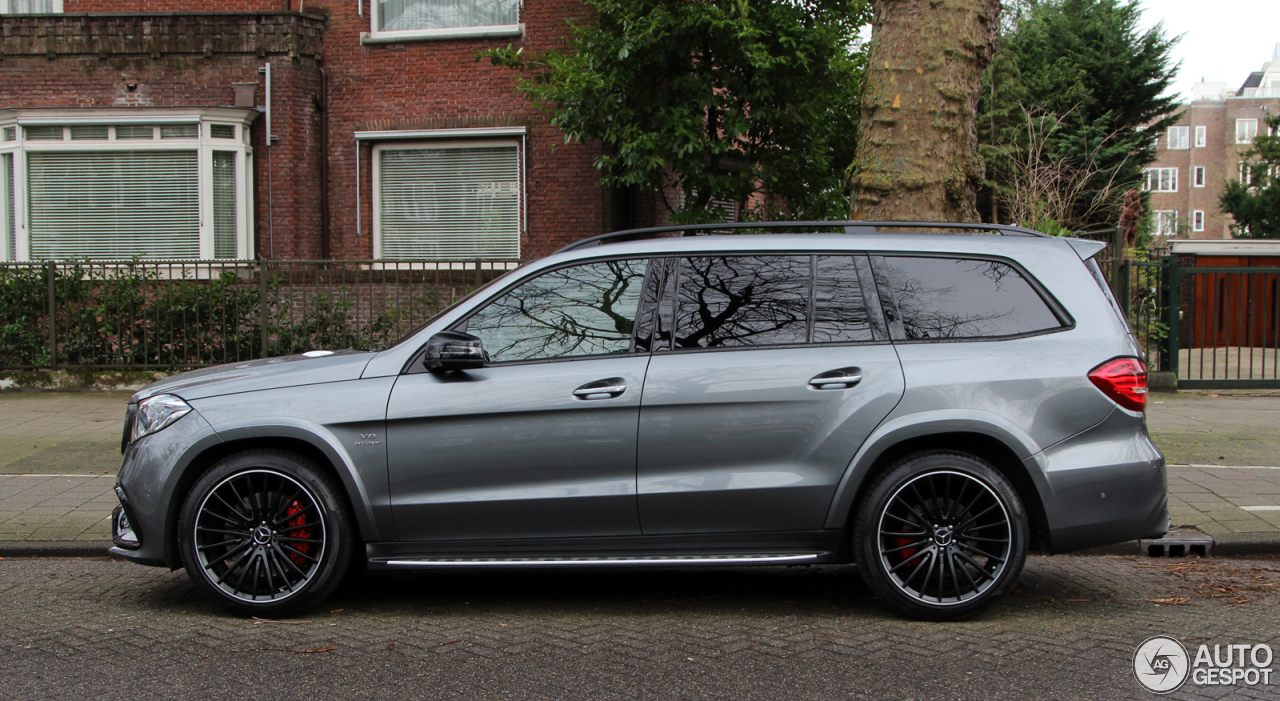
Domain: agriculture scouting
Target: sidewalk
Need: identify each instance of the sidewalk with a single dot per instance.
(59, 453)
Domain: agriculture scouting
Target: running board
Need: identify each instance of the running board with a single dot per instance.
(643, 560)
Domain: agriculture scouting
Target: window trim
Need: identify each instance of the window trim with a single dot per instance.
(397, 36)
(1184, 138)
(1059, 311)
(441, 144)
(1198, 177)
(1245, 123)
(1159, 229)
(1202, 136)
(202, 143)
(1146, 172)
(1197, 220)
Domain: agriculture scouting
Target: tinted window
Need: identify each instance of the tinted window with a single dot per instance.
(743, 301)
(961, 298)
(839, 310)
(580, 310)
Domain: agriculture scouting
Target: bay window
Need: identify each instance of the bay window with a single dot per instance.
(114, 185)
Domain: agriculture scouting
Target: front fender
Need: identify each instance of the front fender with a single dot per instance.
(322, 439)
(923, 424)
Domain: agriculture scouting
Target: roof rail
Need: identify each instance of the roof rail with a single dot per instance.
(850, 227)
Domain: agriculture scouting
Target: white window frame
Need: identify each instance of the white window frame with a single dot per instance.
(376, 36)
(1202, 136)
(1177, 138)
(202, 143)
(401, 141)
(1160, 222)
(1197, 220)
(1246, 129)
(1166, 179)
(1198, 177)
(6, 7)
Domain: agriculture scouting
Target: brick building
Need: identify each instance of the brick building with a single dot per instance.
(1202, 151)
(345, 129)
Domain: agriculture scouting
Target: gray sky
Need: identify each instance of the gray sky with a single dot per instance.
(1222, 39)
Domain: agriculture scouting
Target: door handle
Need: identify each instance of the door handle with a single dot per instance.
(844, 378)
(601, 389)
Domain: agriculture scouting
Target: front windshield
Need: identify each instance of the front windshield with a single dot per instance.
(451, 307)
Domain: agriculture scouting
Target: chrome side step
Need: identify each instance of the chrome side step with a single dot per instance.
(646, 560)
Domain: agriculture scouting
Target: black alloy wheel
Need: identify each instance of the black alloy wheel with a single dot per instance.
(941, 536)
(265, 533)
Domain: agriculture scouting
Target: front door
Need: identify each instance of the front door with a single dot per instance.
(542, 441)
(779, 369)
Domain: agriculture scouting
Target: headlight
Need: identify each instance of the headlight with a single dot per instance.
(155, 413)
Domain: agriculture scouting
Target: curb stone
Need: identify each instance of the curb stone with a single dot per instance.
(54, 548)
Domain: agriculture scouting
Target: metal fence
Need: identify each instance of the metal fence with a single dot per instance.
(1213, 327)
(184, 314)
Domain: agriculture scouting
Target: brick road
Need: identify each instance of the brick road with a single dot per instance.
(1069, 630)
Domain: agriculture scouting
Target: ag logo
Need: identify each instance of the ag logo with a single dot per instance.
(1161, 664)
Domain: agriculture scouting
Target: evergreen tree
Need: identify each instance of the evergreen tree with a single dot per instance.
(714, 99)
(1080, 75)
(1256, 205)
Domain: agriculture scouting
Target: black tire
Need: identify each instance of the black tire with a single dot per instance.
(946, 511)
(266, 533)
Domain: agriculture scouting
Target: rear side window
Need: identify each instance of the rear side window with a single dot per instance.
(957, 298)
(737, 301)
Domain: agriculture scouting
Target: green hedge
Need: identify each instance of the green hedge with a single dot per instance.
(129, 316)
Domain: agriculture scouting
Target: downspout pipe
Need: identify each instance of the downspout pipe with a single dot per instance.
(322, 104)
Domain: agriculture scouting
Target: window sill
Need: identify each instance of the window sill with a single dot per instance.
(501, 31)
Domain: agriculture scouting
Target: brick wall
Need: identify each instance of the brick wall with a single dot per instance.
(192, 60)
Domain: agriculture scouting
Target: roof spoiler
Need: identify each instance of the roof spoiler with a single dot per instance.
(1085, 248)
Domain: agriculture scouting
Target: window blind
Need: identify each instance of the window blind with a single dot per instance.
(6, 194)
(113, 204)
(450, 203)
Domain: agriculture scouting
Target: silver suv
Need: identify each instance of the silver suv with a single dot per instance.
(929, 406)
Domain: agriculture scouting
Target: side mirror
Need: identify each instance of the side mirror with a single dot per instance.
(452, 350)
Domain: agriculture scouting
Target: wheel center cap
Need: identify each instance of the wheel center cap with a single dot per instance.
(942, 536)
(261, 535)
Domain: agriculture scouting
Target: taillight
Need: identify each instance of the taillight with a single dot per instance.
(1124, 381)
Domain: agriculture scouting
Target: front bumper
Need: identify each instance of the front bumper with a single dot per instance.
(147, 481)
(1107, 485)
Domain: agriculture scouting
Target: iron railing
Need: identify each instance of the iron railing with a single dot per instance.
(185, 314)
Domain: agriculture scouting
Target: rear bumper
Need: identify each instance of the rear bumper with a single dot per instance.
(1107, 485)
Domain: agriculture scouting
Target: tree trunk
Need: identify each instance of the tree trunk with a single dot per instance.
(917, 157)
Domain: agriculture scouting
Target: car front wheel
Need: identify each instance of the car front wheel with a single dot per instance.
(265, 533)
(941, 536)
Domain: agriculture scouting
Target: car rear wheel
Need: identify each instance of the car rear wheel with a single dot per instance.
(266, 533)
(941, 536)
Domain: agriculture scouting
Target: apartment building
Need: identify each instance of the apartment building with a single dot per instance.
(1201, 152)
(286, 129)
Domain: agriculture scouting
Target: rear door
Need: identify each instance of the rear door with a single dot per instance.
(768, 372)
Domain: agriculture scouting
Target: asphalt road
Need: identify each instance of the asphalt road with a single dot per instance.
(81, 628)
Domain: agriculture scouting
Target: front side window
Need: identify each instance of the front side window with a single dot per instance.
(576, 311)
(954, 298)
(1178, 137)
(426, 17)
(448, 202)
(114, 191)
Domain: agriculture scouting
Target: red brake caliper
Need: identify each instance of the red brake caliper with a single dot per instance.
(303, 548)
(899, 542)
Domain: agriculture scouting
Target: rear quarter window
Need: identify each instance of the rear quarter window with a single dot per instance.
(945, 298)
